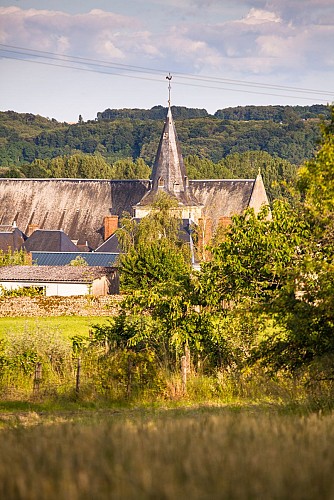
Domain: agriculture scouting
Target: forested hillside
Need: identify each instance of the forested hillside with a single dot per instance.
(234, 142)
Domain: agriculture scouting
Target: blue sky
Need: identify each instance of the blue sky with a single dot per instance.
(64, 58)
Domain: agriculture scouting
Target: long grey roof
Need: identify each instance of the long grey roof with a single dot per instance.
(223, 197)
(79, 206)
(64, 258)
(58, 274)
(76, 206)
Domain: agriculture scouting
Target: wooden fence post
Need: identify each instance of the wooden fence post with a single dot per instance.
(77, 383)
(129, 378)
(187, 354)
(184, 374)
(37, 376)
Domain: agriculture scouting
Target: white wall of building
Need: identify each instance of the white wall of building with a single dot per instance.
(60, 289)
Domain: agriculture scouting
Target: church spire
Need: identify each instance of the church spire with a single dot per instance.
(169, 172)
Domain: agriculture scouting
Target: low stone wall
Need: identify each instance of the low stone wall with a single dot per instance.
(59, 306)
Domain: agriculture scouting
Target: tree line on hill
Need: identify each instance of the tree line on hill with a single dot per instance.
(274, 113)
(284, 131)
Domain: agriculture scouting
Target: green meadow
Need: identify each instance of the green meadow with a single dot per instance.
(69, 326)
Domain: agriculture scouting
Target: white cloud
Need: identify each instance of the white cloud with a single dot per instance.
(260, 16)
(59, 31)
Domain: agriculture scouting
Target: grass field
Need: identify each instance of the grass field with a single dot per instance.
(67, 325)
(199, 453)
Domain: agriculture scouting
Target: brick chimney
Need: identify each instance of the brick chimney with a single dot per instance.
(110, 224)
(31, 229)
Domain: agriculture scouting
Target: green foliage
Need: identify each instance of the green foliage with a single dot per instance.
(155, 113)
(21, 350)
(78, 261)
(25, 291)
(147, 265)
(154, 253)
(16, 258)
(128, 169)
(275, 113)
(279, 175)
(256, 255)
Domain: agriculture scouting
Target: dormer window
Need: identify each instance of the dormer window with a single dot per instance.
(161, 182)
(176, 187)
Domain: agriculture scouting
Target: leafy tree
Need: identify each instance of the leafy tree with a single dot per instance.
(305, 306)
(128, 169)
(154, 252)
(283, 267)
(255, 256)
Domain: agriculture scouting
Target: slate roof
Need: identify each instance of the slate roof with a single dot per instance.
(11, 238)
(111, 245)
(49, 241)
(77, 206)
(53, 203)
(64, 258)
(54, 274)
(223, 197)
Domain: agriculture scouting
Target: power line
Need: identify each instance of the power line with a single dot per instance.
(94, 66)
(97, 62)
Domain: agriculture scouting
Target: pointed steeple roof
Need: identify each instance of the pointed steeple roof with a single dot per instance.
(169, 173)
(169, 170)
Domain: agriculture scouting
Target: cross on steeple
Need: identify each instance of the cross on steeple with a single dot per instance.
(169, 77)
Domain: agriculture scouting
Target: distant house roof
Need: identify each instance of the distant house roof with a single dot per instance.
(64, 258)
(54, 274)
(111, 245)
(11, 238)
(49, 241)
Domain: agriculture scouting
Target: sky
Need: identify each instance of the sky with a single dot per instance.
(65, 58)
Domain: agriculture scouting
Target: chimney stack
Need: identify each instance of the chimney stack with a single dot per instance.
(110, 225)
(31, 229)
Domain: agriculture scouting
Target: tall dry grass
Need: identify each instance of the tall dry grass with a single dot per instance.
(213, 454)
